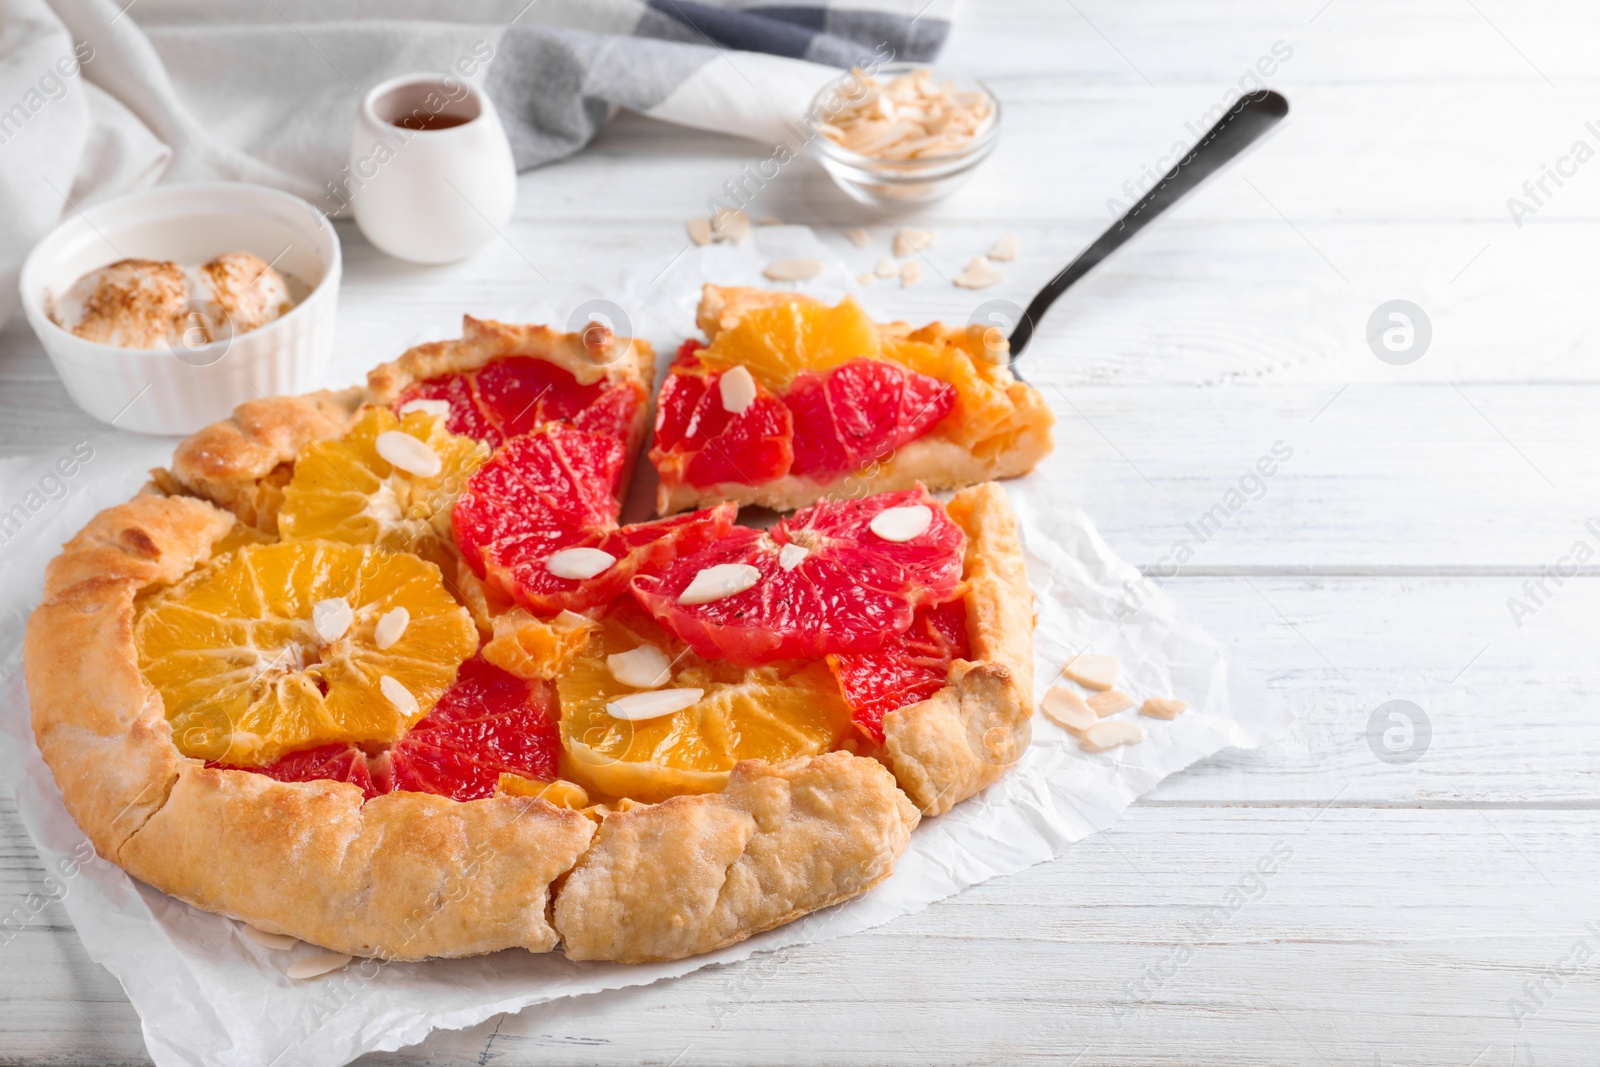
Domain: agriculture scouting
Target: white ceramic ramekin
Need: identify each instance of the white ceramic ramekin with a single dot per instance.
(175, 391)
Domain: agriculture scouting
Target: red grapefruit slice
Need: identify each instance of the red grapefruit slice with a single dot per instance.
(338, 762)
(519, 394)
(906, 669)
(487, 723)
(859, 413)
(698, 442)
(850, 591)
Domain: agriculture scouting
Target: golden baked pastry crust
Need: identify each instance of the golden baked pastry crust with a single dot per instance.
(936, 462)
(412, 875)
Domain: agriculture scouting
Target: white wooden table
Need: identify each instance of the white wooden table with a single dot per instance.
(1417, 901)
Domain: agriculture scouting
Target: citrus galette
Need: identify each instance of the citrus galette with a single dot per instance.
(382, 670)
(790, 400)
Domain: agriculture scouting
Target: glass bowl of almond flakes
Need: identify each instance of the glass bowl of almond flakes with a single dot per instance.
(903, 133)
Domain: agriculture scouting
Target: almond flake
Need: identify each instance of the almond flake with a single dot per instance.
(902, 524)
(281, 942)
(439, 409)
(910, 274)
(400, 697)
(1005, 249)
(1095, 672)
(636, 707)
(409, 454)
(737, 388)
(718, 581)
(1111, 733)
(331, 618)
(730, 224)
(980, 274)
(909, 241)
(579, 563)
(391, 627)
(769, 220)
(645, 667)
(911, 115)
(1110, 702)
(1164, 707)
(859, 238)
(792, 555)
(886, 268)
(316, 966)
(866, 278)
(793, 270)
(699, 230)
(1065, 707)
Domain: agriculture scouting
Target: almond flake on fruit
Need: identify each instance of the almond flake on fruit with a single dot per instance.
(859, 238)
(902, 524)
(1004, 249)
(1065, 707)
(579, 564)
(886, 268)
(645, 667)
(1164, 707)
(1110, 702)
(737, 388)
(280, 942)
(439, 409)
(409, 454)
(400, 697)
(636, 707)
(316, 966)
(980, 274)
(1095, 672)
(1111, 733)
(792, 555)
(332, 617)
(793, 270)
(718, 581)
(699, 230)
(909, 241)
(910, 274)
(391, 627)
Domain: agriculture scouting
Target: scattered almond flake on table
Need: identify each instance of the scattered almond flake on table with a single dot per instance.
(911, 116)
(902, 524)
(1066, 708)
(737, 389)
(909, 241)
(980, 274)
(1004, 249)
(858, 237)
(399, 696)
(637, 707)
(1164, 707)
(391, 627)
(579, 564)
(699, 230)
(910, 274)
(886, 268)
(407, 453)
(1110, 702)
(1095, 672)
(645, 667)
(280, 942)
(1111, 733)
(719, 581)
(331, 618)
(793, 270)
(730, 224)
(318, 965)
(866, 278)
(439, 409)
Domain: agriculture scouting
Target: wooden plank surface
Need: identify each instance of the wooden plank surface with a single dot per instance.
(1377, 564)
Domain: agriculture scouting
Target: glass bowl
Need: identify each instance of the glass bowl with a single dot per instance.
(887, 183)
